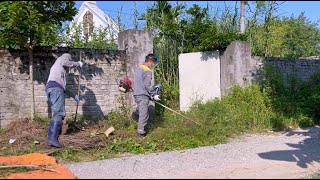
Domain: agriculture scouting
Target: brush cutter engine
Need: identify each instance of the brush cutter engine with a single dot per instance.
(125, 85)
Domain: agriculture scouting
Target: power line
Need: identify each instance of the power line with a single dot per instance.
(116, 11)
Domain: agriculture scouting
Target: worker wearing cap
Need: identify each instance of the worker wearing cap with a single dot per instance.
(55, 90)
(143, 91)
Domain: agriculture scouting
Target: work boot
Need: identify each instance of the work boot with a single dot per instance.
(53, 134)
(141, 136)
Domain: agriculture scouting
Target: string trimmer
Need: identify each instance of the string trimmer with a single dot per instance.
(176, 112)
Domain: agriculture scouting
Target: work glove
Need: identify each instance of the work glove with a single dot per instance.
(77, 99)
(80, 64)
(156, 97)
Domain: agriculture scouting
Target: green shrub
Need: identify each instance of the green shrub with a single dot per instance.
(297, 101)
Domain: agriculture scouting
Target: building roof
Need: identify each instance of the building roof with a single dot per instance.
(91, 5)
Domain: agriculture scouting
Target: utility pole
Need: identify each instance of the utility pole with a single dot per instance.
(242, 25)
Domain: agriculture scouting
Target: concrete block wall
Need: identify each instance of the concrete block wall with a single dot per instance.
(238, 67)
(302, 69)
(98, 82)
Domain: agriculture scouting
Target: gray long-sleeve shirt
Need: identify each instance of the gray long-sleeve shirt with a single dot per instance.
(142, 82)
(57, 71)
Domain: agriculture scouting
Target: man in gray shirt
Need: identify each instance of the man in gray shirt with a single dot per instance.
(143, 91)
(55, 90)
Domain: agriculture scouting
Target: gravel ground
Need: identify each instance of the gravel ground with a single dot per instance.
(293, 154)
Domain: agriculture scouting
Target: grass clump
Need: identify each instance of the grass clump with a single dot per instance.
(7, 171)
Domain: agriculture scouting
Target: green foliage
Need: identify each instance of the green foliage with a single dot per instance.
(274, 36)
(205, 34)
(244, 108)
(119, 14)
(120, 120)
(297, 101)
(302, 38)
(29, 23)
(218, 41)
(100, 38)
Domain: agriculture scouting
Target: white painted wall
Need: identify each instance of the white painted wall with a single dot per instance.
(199, 77)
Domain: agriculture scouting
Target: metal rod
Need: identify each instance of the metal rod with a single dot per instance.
(176, 112)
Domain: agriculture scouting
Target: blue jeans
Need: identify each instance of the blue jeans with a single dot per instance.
(56, 97)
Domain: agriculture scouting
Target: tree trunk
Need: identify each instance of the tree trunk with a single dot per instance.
(30, 52)
(242, 28)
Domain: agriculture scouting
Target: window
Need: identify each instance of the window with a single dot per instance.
(87, 23)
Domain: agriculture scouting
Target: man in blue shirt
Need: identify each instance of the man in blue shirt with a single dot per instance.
(55, 90)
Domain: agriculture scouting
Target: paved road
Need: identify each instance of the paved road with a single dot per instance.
(294, 154)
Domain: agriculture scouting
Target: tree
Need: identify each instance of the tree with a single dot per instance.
(119, 14)
(26, 24)
(273, 36)
(261, 26)
(302, 37)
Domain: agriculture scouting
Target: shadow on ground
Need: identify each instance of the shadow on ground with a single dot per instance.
(303, 153)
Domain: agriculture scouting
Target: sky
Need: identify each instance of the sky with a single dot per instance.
(311, 8)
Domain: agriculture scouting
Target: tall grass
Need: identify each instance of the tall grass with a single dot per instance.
(243, 110)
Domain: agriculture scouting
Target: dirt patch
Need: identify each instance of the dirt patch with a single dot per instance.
(31, 133)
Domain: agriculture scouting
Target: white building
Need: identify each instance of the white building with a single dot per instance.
(90, 13)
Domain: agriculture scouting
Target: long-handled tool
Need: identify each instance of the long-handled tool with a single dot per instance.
(176, 112)
(75, 117)
(74, 123)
